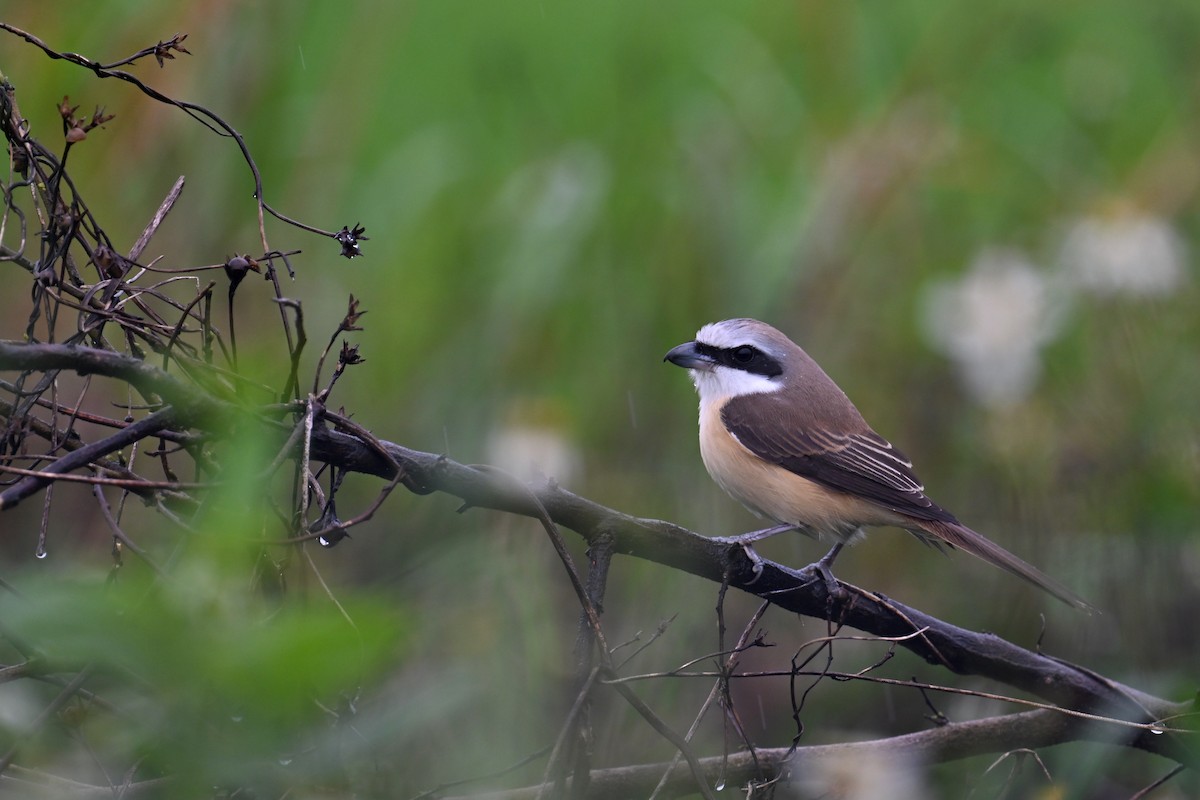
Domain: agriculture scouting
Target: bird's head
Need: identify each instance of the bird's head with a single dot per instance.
(735, 357)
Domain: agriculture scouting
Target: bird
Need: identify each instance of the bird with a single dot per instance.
(779, 436)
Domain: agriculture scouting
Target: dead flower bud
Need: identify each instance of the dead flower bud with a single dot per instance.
(77, 127)
(65, 217)
(349, 240)
(350, 323)
(162, 50)
(99, 118)
(72, 127)
(110, 264)
(349, 355)
(66, 110)
(237, 267)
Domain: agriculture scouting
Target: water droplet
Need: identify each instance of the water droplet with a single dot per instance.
(720, 787)
(1157, 728)
(321, 540)
(41, 551)
(285, 761)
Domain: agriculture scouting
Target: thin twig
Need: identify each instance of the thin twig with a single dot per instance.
(1145, 792)
(152, 226)
(120, 535)
(144, 427)
(727, 668)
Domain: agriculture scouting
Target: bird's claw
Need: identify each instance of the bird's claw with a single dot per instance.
(756, 561)
(833, 587)
(757, 564)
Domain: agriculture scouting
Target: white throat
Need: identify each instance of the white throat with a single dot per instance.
(723, 382)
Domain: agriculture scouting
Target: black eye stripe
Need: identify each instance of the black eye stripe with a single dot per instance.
(744, 357)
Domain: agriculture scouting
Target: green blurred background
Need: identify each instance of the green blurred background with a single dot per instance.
(979, 218)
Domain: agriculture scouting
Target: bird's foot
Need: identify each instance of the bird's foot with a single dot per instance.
(821, 567)
(755, 536)
(833, 587)
(746, 542)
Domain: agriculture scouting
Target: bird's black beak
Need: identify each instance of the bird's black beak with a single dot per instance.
(687, 356)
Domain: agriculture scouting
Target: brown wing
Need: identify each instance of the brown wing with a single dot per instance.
(863, 464)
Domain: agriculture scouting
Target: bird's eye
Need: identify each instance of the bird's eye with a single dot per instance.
(744, 354)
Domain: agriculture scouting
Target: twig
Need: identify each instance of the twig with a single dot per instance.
(123, 483)
(139, 430)
(120, 535)
(152, 226)
(1143, 793)
(718, 690)
(593, 618)
(565, 735)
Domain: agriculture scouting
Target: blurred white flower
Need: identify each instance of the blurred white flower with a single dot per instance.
(993, 322)
(531, 443)
(861, 776)
(1126, 252)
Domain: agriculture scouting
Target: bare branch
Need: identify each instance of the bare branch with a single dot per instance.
(30, 484)
(959, 650)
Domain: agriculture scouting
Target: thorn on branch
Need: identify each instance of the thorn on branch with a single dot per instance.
(349, 239)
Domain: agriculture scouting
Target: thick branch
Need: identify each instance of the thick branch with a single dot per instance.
(959, 650)
(193, 406)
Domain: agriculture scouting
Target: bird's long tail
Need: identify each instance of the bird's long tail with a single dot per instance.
(962, 537)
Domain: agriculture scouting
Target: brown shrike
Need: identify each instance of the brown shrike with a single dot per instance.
(780, 437)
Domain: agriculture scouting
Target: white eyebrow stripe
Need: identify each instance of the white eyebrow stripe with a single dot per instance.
(730, 333)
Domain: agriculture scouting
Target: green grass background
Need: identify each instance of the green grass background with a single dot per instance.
(556, 193)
